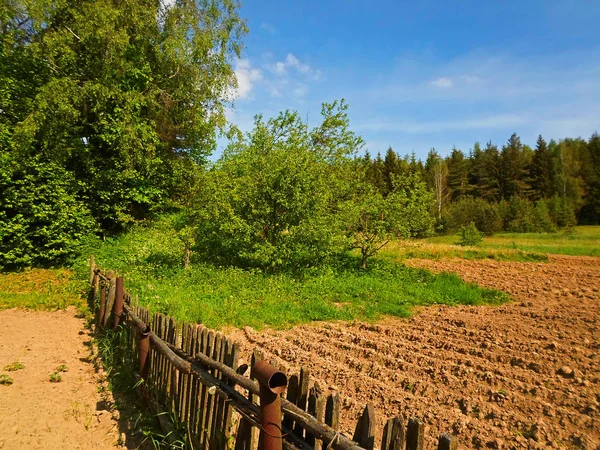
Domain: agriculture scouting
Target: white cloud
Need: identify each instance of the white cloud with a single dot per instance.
(292, 63)
(246, 77)
(442, 83)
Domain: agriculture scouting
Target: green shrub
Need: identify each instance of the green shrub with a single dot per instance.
(42, 222)
(519, 215)
(470, 235)
(484, 215)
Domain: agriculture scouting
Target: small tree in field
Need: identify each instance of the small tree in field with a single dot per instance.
(373, 220)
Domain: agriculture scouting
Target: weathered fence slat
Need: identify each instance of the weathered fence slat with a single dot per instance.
(302, 399)
(332, 410)
(415, 434)
(447, 442)
(316, 408)
(364, 434)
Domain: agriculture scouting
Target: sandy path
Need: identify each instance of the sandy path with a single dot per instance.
(38, 414)
(491, 375)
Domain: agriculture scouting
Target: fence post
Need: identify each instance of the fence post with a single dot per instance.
(92, 269)
(102, 311)
(272, 383)
(118, 305)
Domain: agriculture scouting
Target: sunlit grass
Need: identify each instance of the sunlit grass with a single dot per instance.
(151, 262)
(46, 289)
(525, 247)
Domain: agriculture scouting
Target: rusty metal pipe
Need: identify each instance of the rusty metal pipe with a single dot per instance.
(272, 383)
(144, 351)
(118, 305)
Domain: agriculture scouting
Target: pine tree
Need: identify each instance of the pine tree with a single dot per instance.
(542, 171)
(513, 169)
(458, 173)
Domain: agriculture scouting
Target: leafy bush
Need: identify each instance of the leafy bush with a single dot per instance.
(42, 222)
(470, 235)
(521, 216)
(484, 215)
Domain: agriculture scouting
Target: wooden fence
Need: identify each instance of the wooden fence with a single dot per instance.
(193, 373)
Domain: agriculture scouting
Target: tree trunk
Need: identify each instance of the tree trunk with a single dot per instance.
(363, 264)
(186, 256)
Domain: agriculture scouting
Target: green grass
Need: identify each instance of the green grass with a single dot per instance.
(45, 289)
(525, 247)
(150, 261)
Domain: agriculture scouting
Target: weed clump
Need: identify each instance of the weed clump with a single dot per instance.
(14, 367)
(55, 377)
(6, 380)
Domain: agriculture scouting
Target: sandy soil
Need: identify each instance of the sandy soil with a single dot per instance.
(38, 414)
(521, 375)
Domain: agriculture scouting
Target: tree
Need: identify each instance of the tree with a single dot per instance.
(270, 201)
(542, 171)
(120, 94)
(372, 220)
(513, 169)
(458, 173)
(437, 179)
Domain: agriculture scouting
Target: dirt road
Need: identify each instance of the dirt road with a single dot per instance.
(36, 413)
(522, 375)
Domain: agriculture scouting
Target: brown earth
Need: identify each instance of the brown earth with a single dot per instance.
(522, 375)
(36, 413)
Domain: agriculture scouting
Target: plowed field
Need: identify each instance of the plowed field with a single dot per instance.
(522, 375)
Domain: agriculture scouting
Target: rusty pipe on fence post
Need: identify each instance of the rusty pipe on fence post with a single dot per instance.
(272, 383)
(144, 350)
(118, 305)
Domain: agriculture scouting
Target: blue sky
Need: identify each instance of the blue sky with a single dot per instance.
(429, 73)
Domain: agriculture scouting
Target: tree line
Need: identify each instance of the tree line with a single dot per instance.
(514, 188)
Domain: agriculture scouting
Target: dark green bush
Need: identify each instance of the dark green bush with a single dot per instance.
(519, 215)
(470, 235)
(484, 215)
(42, 222)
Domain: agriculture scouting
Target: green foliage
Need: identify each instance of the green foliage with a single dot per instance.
(521, 216)
(108, 104)
(470, 235)
(42, 220)
(5, 380)
(55, 377)
(220, 296)
(484, 215)
(269, 202)
(13, 367)
(372, 220)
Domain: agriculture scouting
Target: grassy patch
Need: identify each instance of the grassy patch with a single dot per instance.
(524, 247)
(46, 289)
(150, 261)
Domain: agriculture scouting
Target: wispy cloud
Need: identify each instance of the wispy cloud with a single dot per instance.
(291, 63)
(246, 77)
(442, 83)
